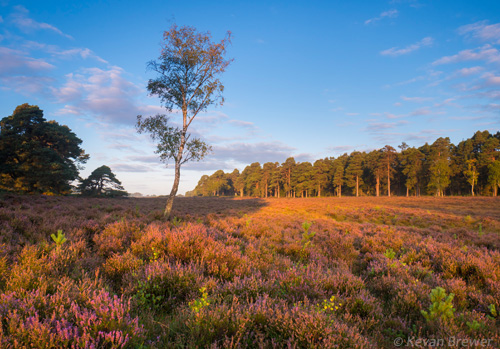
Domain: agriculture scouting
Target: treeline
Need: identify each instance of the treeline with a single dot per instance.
(471, 167)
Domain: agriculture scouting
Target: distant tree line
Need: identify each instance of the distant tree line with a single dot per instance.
(43, 157)
(472, 167)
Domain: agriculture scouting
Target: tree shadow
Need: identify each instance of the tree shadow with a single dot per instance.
(221, 206)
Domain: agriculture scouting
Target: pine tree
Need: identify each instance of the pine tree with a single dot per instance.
(354, 171)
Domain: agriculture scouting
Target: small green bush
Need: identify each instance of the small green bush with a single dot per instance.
(441, 306)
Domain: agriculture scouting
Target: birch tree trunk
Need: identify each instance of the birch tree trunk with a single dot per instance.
(173, 192)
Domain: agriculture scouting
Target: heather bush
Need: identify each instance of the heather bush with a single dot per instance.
(163, 286)
(118, 266)
(232, 273)
(266, 323)
(115, 237)
(79, 314)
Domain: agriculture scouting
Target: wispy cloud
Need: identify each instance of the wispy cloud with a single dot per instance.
(395, 116)
(492, 107)
(468, 71)
(243, 124)
(422, 112)
(340, 149)
(482, 31)
(386, 125)
(127, 167)
(23, 74)
(416, 99)
(485, 53)
(21, 19)
(57, 52)
(395, 51)
(493, 94)
(387, 14)
(239, 154)
(491, 79)
(15, 62)
(462, 118)
(447, 102)
(428, 135)
(247, 153)
(27, 85)
(153, 159)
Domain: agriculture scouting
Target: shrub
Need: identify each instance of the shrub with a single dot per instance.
(441, 307)
(71, 316)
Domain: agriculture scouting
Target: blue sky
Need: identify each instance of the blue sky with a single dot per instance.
(309, 79)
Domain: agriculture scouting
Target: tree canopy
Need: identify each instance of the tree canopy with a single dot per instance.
(36, 155)
(101, 182)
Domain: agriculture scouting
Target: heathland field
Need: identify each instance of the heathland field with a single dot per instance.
(240, 273)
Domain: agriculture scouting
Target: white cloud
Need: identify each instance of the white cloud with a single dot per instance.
(482, 31)
(395, 51)
(102, 93)
(22, 21)
(387, 14)
(485, 53)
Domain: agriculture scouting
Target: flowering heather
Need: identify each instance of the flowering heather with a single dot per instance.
(274, 273)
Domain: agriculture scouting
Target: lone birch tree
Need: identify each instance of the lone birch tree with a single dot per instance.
(188, 71)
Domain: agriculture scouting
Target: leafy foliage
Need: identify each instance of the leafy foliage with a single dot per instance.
(101, 182)
(188, 70)
(59, 239)
(36, 155)
(198, 304)
(441, 307)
